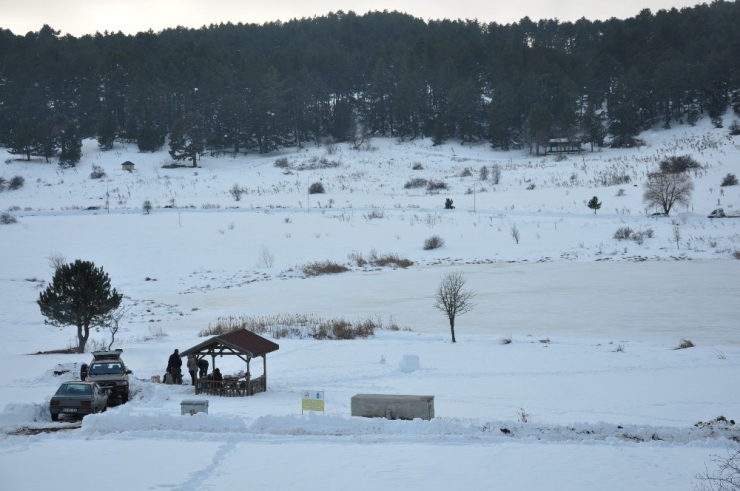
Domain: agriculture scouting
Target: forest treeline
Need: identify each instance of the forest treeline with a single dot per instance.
(347, 77)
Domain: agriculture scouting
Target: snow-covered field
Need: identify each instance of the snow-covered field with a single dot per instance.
(589, 394)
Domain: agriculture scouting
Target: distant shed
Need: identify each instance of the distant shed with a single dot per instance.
(563, 145)
(128, 165)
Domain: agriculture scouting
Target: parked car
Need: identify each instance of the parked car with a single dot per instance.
(78, 398)
(109, 371)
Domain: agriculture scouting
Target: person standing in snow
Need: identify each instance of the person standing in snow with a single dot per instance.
(192, 366)
(217, 378)
(174, 367)
(202, 368)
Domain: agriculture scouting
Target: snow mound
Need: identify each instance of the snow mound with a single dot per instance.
(409, 363)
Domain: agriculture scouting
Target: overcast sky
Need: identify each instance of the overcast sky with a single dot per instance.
(79, 17)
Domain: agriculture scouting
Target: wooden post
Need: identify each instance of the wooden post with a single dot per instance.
(248, 376)
(264, 369)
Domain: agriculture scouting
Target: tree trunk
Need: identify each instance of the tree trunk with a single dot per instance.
(83, 333)
(452, 328)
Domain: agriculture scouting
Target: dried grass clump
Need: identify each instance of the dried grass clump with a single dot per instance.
(390, 260)
(323, 267)
(301, 326)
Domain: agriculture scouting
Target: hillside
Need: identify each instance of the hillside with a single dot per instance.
(568, 360)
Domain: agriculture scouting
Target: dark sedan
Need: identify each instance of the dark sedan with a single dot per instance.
(78, 398)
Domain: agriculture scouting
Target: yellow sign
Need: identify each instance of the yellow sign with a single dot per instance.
(313, 400)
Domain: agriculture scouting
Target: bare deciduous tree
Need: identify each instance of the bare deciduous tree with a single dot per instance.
(725, 478)
(452, 299)
(666, 189)
(113, 321)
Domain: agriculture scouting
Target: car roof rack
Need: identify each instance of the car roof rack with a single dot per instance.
(107, 355)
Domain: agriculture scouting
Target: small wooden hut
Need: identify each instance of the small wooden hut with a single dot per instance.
(128, 165)
(243, 344)
(563, 145)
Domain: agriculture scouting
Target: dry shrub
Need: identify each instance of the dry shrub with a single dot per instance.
(623, 233)
(685, 343)
(390, 260)
(506, 340)
(433, 242)
(357, 258)
(416, 182)
(316, 188)
(323, 267)
(6, 218)
(436, 186)
(282, 163)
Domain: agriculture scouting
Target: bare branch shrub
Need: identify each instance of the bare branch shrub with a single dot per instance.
(483, 173)
(685, 343)
(56, 260)
(433, 242)
(416, 182)
(357, 258)
(729, 180)
(515, 233)
(316, 188)
(236, 192)
(16, 182)
(417, 166)
(623, 233)
(726, 476)
(677, 235)
(146, 207)
(676, 164)
(495, 173)
(97, 172)
(437, 186)
(282, 163)
(266, 258)
(6, 218)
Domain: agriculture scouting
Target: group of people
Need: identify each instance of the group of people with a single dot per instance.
(174, 369)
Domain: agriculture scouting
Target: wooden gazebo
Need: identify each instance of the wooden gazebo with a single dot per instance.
(243, 344)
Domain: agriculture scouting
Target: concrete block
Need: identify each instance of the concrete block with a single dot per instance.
(391, 406)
